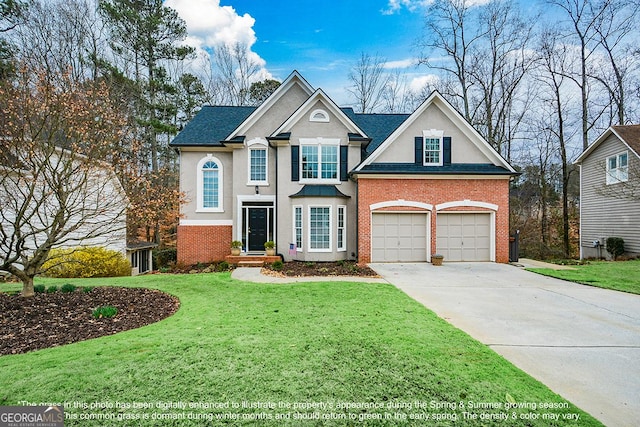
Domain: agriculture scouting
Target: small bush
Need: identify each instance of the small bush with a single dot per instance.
(277, 265)
(86, 262)
(105, 311)
(222, 266)
(87, 289)
(163, 258)
(615, 246)
(52, 289)
(39, 289)
(67, 288)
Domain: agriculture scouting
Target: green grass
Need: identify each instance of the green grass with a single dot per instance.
(620, 275)
(280, 344)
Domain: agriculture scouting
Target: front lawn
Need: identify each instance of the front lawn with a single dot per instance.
(329, 353)
(620, 275)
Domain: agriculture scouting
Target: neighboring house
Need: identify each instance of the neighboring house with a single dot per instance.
(610, 191)
(329, 184)
(140, 255)
(81, 206)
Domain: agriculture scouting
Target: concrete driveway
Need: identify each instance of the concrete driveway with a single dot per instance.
(582, 342)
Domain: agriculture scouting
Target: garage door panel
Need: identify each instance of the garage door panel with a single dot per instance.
(464, 236)
(399, 237)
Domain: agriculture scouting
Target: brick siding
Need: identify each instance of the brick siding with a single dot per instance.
(203, 243)
(434, 192)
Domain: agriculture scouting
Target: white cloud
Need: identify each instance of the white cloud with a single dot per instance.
(411, 5)
(403, 63)
(394, 6)
(417, 84)
(210, 25)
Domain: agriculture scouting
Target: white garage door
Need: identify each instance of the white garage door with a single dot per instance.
(464, 236)
(399, 237)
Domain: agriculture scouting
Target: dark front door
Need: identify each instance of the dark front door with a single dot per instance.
(257, 228)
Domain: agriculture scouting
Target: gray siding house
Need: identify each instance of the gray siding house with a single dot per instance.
(610, 192)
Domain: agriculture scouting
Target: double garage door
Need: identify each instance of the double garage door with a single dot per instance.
(404, 237)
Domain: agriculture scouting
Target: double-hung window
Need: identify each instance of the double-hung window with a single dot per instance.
(258, 162)
(297, 227)
(342, 231)
(319, 229)
(319, 159)
(432, 147)
(209, 178)
(617, 168)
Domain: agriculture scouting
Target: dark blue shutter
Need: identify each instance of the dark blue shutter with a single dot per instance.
(419, 154)
(295, 163)
(344, 162)
(446, 150)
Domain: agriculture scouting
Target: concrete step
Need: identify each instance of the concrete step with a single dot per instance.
(251, 263)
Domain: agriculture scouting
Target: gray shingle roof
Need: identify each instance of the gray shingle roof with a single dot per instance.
(378, 127)
(211, 125)
(319, 191)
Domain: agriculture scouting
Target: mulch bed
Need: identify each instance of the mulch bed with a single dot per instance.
(340, 268)
(53, 319)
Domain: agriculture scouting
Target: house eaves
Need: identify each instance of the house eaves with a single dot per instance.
(471, 133)
(629, 135)
(294, 78)
(305, 108)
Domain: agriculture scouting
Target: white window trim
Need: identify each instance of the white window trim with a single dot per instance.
(319, 115)
(319, 142)
(294, 228)
(330, 248)
(431, 134)
(342, 248)
(258, 144)
(200, 184)
(613, 176)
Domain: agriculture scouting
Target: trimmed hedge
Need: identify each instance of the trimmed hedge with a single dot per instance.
(615, 246)
(86, 262)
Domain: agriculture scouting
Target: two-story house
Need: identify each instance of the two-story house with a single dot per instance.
(610, 191)
(328, 184)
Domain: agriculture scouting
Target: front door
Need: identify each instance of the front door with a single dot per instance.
(257, 231)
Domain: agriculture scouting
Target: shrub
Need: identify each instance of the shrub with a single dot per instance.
(105, 311)
(67, 288)
(163, 258)
(615, 246)
(277, 265)
(86, 262)
(87, 289)
(38, 289)
(52, 289)
(222, 266)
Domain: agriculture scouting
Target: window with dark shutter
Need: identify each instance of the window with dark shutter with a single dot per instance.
(295, 163)
(446, 150)
(344, 163)
(418, 147)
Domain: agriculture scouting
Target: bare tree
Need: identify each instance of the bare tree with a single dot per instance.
(55, 190)
(368, 82)
(236, 71)
(614, 30)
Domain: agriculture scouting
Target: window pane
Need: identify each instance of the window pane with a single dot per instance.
(258, 165)
(309, 162)
(612, 163)
(319, 228)
(622, 160)
(329, 162)
(341, 229)
(210, 188)
(298, 226)
(432, 150)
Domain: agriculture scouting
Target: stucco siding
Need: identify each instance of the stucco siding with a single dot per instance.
(462, 150)
(603, 213)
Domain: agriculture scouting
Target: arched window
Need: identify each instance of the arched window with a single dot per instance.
(210, 185)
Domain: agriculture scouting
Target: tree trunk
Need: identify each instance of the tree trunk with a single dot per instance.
(27, 286)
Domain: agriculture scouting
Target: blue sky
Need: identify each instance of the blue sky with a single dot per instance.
(322, 40)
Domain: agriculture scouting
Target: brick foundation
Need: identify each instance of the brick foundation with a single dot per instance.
(203, 243)
(434, 192)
